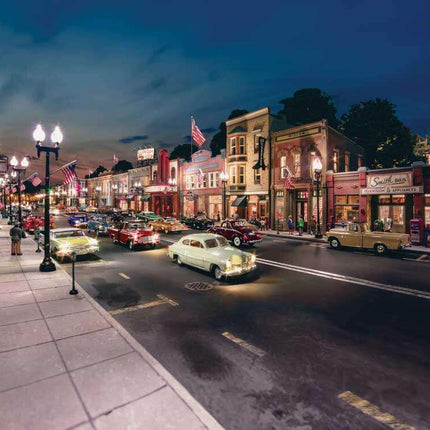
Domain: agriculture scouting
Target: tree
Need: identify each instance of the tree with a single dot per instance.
(122, 166)
(374, 125)
(183, 151)
(96, 172)
(218, 141)
(309, 105)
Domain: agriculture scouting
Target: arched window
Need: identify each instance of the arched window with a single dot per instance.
(173, 173)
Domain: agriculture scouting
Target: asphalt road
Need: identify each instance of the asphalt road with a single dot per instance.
(314, 323)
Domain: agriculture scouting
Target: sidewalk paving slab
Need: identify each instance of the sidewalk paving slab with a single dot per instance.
(66, 363)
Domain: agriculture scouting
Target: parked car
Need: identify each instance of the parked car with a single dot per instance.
(198, 222)
(64, 241)
(359, 235)
(71, 210)
(167, 225)
(78, 219)
(98, 224)
(90, 209)
(148, 216)
(133, 234)
(236, 233)
(32, 222)
(212, 253)
(244, 223)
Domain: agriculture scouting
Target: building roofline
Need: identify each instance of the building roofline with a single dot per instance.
(249, 115)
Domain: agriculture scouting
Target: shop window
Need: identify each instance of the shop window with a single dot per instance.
(341, 200)
(347, 159)
(354, 200)
(384, 199)
(398, 200)
(256, 144)
(257, 176)
(336, 161)
(242, 149)
(233, 146)
(296, 162)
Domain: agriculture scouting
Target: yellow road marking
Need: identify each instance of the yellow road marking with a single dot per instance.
(123, 275)
(372, 410)
(163, 300)
(243, 344)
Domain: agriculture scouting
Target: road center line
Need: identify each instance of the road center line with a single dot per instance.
(163, 300)
(348, 279)
(123, 275)
(244, 344)
(372, 410)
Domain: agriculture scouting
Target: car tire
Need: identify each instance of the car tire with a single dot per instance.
(237, 241)
(380, 249)
(130, 245)
(179, 261)
(217, 274)
(334, 243)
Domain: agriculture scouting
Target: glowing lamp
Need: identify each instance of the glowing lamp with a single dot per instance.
(317, 165)
(39, 134)
(14, 162)
(24, 162)
(57, 135)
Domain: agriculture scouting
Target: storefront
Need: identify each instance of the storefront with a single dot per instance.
(347, 208)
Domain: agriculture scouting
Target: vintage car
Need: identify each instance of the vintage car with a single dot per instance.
(64, 241)
(90, 209)
(133, 234)
(167, 225)
(234, 232)
(243, 223)
(212, 253)
(32, 222)
(78, 219)
(359, 235)
(148, 216)
(98, 224)
(71, 210)
(199, 222)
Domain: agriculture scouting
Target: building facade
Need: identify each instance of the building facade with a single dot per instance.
(294, 151)
(200, 187)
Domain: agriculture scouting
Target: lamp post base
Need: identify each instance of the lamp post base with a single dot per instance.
(47, 266)
(318, 236)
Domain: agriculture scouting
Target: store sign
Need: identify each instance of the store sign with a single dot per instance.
(146, 154)
(297, 134)
(391, 183)
(260, 163)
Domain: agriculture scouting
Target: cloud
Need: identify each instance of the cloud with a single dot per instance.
(131, 139)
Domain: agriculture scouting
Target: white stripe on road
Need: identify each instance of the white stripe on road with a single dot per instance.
(163, 300)
(373, 411)
(348, 279)
(123, 275)
(243, 344)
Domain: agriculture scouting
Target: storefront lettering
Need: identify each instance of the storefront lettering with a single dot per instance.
(387, 180)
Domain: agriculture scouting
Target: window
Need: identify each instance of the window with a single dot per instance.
(296, 161)
(242, 149)
(346, 208)
(173, 173)
(186, 242)
(213, 179)
(211, 243)
(336, 161)
(283, 166)
(341, 200)
(202, 180)
(346, 161)
(359, 161)
(188, 182)
(237, 175)
(241, 175)
(154, 176)
(233, 175)
(257, 176)
(256, 144)
(427, 211)
(233, 146)
(196, 244)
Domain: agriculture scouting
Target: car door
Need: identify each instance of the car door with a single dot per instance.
(196, 254)
(123, 233)
(354, 236)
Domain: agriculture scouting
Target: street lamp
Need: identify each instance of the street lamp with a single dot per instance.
(47, 264)
(224, 179)
(317, 166)
(18, 170)
(11, 181)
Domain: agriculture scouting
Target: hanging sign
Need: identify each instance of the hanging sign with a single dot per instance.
(260, 163)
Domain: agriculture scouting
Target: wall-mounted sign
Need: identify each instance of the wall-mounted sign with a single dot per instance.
(297, 134)
(260, 163)
(391, 183)
(145, 154)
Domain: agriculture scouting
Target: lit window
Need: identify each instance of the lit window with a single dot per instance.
(188, 182)
(242, 145)
(359, 161)
(336, 161)
(296, 161)
(233, 146)
(233, 175)
(213, 179)
(256, 144)
(283, 166)
(346, 161)
(257, 176)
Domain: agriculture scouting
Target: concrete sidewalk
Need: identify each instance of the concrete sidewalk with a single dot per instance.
(311, 238)
(65, 363)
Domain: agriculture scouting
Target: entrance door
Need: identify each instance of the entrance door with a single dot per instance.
(302, 209)
(396, 214)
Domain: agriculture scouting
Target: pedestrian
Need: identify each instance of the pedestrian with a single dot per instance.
(290, 225)
(218, 217)
(263, 223)
(16, 234)
(300, 225)
(313, 225)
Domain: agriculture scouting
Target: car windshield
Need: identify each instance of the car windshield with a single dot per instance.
(211, 243)
(69, 233)
(222, 241)
(137, 226)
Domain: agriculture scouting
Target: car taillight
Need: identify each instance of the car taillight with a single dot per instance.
(245, 237)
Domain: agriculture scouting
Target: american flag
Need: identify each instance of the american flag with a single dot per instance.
(288, 180)
(22, 187)
(34, 179)
(196, 134)
(69, 172)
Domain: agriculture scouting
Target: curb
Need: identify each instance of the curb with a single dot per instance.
(201, 413)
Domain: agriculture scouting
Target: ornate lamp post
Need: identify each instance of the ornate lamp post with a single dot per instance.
(224, 179)
(19, 170)
(11, 181)
(317, 166)
(47, 264)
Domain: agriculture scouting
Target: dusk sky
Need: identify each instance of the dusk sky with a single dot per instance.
(116, 75)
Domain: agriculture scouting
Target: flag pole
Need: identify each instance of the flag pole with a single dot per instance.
(62, 167)
(191, 140)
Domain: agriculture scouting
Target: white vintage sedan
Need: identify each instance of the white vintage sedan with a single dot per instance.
(212, 253)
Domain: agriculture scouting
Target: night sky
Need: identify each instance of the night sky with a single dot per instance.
(119, 74)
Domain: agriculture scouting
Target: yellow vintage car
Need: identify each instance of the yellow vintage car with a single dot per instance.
(167, 225)
(359, 235)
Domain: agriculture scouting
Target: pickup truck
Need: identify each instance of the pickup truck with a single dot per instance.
(133, 234)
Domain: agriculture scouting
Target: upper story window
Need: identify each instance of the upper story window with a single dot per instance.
(202, 180)
(237, 175)
(188, 182)
(359, 161)
(336, 161)
(213, 179)
(283, 166)
(257, 176)
(297, 166)
(173, 173)
(347, 159)
(242, 147)
(256, 143)
(154, 176)
(233, 148)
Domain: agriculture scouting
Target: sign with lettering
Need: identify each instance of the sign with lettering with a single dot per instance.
(297, 134)
(260, 163)
(391, 183)
(146, 154)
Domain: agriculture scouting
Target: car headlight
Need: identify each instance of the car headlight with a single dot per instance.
(94, 242)
(65, 249)
(253, 258)
(227, 263)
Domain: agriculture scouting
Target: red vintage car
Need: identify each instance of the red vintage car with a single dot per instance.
(236, 232)
(32, 222)
(133, 234)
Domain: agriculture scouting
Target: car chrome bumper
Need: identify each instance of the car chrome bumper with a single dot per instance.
(238, 271)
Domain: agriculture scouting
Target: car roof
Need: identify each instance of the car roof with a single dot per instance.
(202, 236)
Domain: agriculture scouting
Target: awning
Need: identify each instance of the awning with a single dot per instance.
(145, 198)
(240, 202)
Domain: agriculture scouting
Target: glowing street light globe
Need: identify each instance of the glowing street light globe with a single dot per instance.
(57, 135)
(24, 162)
(317, 165)
(38, 134)
(14, 162)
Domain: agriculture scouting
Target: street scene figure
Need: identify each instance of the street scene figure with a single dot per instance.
(290, 225)
(16, 234)
(300, 225)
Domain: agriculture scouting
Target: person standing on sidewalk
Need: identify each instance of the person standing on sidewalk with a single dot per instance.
(16, 234)
(290, 225)
(300, 225)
